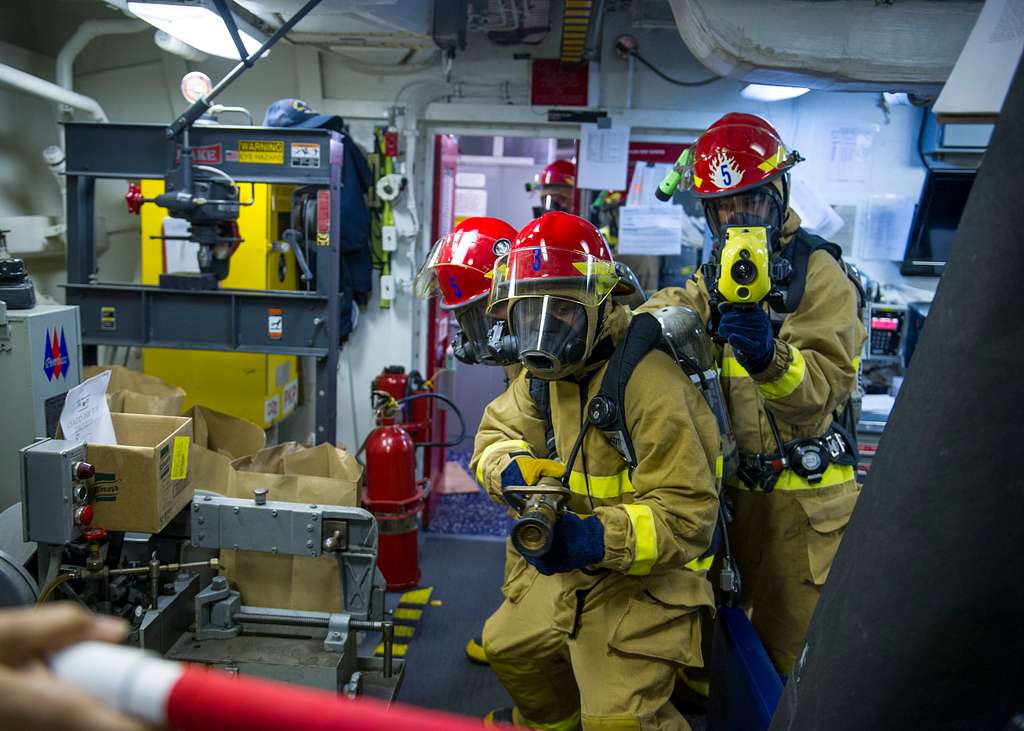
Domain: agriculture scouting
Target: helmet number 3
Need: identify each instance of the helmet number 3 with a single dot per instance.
(536, 263)
(455, 286)
(726, 175)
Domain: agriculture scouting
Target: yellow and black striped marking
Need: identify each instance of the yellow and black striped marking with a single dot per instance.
(574, 29)
(410, 610)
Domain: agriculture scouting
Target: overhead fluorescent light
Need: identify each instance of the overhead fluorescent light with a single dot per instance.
(771, 93)
(198, 26)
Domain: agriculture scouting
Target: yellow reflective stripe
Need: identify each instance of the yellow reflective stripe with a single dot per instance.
(490, 449)
(856, 363)
(770, 163)
(835, 474)
(603, 487)
(645, 539)
(731, 368)
(719, 466)
(789, 381)
(701, 563)
(697, 180)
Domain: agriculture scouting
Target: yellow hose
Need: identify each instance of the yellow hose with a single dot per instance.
(52, 587)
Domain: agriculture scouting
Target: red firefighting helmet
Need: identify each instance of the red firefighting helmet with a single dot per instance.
(559, 172)
(459, 266)
(737, 153)
(560, 255)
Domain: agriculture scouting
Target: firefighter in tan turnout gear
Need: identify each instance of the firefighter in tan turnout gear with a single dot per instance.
(788, 368)
(593, 631)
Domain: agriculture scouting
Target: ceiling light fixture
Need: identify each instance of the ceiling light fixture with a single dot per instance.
(771, 93)
(198, 24)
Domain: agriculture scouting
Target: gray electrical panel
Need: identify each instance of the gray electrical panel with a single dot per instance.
(40, 359)
(54, 491)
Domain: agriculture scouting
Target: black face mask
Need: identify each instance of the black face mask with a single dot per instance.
(500, 350)
(552, 335)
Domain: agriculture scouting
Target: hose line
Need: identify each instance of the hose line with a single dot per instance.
(451, 405)
(52, 587)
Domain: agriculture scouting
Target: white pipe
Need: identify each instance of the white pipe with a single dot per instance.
(44, 89)
(86, 32)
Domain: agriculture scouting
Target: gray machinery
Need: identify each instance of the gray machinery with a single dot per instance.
(201, 167)
(178, 316)
(181, 608)
(40, 359)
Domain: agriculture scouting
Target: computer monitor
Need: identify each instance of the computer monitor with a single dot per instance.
(935, 221)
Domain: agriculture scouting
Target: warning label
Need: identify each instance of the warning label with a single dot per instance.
(179, 459)
(275, 323)
(305, 155)
(265, 152)
(271, 409)
(290, 396)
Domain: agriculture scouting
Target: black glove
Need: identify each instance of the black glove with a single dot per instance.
(749, 332)
(577, 542)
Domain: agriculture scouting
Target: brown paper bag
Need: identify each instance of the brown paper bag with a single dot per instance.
(322, 475)
(225, 434)
(218, 438)
(131, 392)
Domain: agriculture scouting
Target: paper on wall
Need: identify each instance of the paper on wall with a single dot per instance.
(883, 226)
(470, 202)
(645, 181)
(816, 215)
(86, 416)
(850, 153)
(604, 157)
(651, 230)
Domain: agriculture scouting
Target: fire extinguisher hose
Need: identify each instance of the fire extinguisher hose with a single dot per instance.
(451, 405)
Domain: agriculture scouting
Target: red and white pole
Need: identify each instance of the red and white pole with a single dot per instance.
(193, 698)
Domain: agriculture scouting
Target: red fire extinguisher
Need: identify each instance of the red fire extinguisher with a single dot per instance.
(393, 494)
(394, 497)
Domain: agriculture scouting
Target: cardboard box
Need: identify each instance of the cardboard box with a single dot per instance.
(143, 481)
(132, 392)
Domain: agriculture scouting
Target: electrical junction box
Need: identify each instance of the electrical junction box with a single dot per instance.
(40, 359)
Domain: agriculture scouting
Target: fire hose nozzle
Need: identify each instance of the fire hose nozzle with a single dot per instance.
(534, 530)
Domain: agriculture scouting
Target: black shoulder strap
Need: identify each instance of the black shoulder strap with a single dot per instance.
(607, 409)
(798, 253)
(541, 396)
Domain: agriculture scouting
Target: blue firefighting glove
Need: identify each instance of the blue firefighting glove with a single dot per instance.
(525, 470)
(749, 332)
(577, 542)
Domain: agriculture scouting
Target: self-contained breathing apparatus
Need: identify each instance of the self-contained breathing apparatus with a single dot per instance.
(679, 332)
(745, 274)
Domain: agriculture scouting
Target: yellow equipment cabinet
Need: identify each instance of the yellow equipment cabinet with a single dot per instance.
(261, 388)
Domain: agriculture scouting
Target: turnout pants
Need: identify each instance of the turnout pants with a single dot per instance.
(598, 651)
(784, 543)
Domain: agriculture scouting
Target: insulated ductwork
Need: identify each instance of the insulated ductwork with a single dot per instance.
(841, 45)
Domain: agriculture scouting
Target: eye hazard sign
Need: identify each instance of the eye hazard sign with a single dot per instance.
(305, 154)
(264, 152)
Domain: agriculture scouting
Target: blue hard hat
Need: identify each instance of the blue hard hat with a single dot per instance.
(295, 113)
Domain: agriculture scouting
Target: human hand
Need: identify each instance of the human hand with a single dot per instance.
(31, 698)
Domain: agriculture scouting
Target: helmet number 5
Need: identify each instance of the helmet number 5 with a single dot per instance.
(535, 264)
(726, 175)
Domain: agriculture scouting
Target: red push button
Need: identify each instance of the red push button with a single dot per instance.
(83, 471)
(83, 516)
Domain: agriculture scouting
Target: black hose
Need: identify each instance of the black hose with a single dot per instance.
(451, 404)
(703, 82)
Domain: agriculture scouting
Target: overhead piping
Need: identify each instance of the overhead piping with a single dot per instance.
(44, 89)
